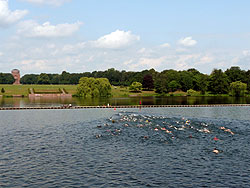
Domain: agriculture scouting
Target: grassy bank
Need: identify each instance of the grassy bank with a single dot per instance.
(23, 90)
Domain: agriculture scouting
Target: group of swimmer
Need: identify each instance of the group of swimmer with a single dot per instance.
(227, 130)
(148, 122)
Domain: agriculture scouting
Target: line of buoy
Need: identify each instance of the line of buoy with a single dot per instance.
(124, 106)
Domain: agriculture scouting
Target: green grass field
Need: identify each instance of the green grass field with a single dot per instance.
(11, 90)
(23, 90)
(124, 92)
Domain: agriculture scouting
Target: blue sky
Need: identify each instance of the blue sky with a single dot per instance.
(78, 36)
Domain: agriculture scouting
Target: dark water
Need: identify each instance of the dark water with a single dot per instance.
(125, 148)
(24, 102)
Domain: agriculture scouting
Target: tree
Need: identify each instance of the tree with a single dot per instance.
(235, 74)
(200, 83)
(191, 92)
(43, 78)
(247, 78)
(64, 78)
(93, 87)
(148, 82)
(29, 79)
(186, 80)
(238, 88)
(164, 78)
(218, 82)
(135, 86)
(173, 86)
(6, 78)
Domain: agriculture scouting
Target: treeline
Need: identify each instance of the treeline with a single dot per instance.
(218, 82)
(6, 78)
(115, 77)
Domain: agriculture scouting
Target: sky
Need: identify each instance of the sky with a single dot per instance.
(51, 36)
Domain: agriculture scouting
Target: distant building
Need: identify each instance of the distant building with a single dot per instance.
(16, 74)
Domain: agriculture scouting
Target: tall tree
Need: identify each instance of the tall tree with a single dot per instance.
(43, 78)
(29, 79)
(148, 82)
(218, 82)
(238, 88)
(235, 74)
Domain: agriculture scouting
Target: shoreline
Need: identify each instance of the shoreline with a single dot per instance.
(123, 106)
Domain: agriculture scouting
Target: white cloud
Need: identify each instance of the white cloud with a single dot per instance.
(146, 63)
(71, 49)
(165, 45)
(7, 16)
(188, 41)
(246, 52)
(48, 2)
(128, 62)
(31, 28)
(142, 50)
(116, 40)
(32, 64)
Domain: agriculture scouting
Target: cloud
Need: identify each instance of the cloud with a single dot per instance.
(116, 40)
(31, 28)
(165, 45)
(8, 17)
(246, 52)
(141, 51)
(48, 2)
(145, 63)
(188, 41)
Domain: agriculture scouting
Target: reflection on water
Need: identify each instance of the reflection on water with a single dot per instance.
(57, 101)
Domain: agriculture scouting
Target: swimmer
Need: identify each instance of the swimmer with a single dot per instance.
(167, 131)
(140, 125)
(156, 129)
(145, 137)
(205, 130)
(216, 151)
(113, 121)
(163, 129)
(216, 139)
(98, 136)
(117, 130)
(229, 130)
(222, 128)
(99, 126)
(125, 125)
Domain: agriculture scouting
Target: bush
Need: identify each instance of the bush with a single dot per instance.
(191, 92)
(2, 90)
(135, 87)
(93, 87)
(238, 89)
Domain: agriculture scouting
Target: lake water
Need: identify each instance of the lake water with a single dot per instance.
(29, 102)
(125, 148)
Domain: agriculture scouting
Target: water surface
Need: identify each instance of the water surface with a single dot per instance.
(57, 101)
(125, 148)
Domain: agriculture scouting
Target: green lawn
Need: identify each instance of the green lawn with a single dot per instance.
(117, 91)
(23, 89)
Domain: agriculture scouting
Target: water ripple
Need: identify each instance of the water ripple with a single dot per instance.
(126, 149)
